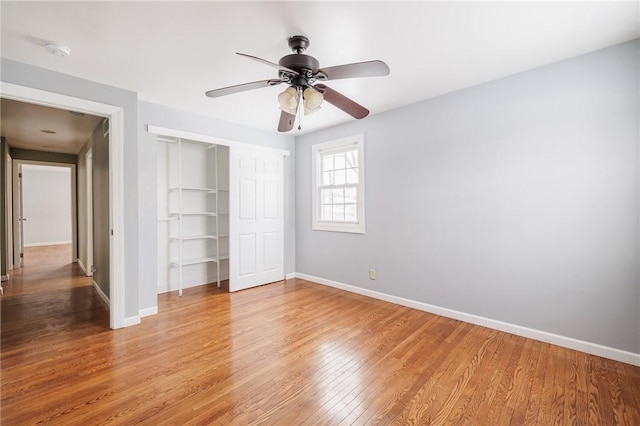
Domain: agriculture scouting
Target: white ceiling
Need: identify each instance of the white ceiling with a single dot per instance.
(172, 52)
(23, 125)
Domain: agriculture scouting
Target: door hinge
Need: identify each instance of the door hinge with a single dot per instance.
(21, 255)
(112, 232)
(20, 175)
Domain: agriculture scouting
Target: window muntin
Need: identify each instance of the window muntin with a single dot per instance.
(338, 185)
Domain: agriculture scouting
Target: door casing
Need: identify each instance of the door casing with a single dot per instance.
(115, 115)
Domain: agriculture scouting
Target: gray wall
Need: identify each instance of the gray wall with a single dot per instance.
(100, 198)
(152, 114)
(40, 78)
(53, 157)
(83, 254)
(4, 149)
(515, 200)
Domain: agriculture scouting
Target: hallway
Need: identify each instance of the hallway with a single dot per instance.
(46, 305)
(49, 295)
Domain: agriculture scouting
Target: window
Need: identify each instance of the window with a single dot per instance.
(338, 185)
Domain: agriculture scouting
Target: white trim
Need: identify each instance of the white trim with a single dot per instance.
(129, 321)
(162, 131)
(103, 296)
(116, 184)
(71, 169)
(116, 216)
(51, 243)
(334, 147)
(4, 277)
(543, 336)
(84, 268)
(148, 312)
(88, 210)
(290, 276)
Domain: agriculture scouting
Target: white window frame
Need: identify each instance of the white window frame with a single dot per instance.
(317, 150)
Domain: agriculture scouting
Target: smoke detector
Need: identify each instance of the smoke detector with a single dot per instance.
(57, 49)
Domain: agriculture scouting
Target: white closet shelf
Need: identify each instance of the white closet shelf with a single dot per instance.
(199, 197)
(195, 237)
(197, 260)
(198, 214)
(168, 219)
(194, 189)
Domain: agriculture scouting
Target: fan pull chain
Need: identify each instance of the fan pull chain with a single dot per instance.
(300, 103)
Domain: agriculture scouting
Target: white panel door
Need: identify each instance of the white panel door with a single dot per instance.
(18, 220)
(256, 237)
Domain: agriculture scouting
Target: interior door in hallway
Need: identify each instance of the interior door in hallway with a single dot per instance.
(18, 229)
(256, 240)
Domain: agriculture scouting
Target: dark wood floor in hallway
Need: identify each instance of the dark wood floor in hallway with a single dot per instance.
(287, 353)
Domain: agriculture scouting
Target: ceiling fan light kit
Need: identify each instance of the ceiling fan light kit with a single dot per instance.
(301, 72)
(312, 100)
(289, 98)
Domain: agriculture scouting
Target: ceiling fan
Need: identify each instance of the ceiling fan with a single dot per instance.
(302, 72)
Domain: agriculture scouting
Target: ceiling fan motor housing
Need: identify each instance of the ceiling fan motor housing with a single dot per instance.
(304, 65)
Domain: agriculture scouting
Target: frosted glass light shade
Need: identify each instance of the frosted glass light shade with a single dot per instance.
(288, 99)
(312, 100)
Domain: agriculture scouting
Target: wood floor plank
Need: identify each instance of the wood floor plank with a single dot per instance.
(287, 353)
(516, 404)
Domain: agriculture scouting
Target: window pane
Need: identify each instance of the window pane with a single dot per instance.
(327, 178)
(327, 162)
(339, 161)
(338, 196)
(338, 212)
(325, 196)
(350, 213)
(326, 213)
(340, 177)
(351, 158)
(352, 175)
(350, 195)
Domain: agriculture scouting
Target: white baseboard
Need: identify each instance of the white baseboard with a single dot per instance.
(129, 321)
(103, 296)
(148, 311)
(290, 276)
(51, 243)
(84, 268)
(543, 336)
(4, 277)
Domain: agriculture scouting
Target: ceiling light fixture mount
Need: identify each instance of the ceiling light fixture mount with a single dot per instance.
(57, 49)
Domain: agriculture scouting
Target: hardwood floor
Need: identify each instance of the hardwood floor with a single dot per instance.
(287, 353)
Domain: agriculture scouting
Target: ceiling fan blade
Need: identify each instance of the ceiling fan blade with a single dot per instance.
(339, 100)
(286, 121)
(216, 93)
(359, 69)
(271, 64)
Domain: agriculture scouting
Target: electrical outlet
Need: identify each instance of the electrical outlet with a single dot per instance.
(372, 274)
